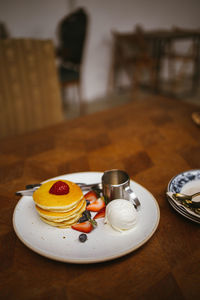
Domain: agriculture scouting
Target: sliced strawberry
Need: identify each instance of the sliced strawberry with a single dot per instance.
(83, 227)
(96, 205)
(59, 188)
(101, 213)
(91, 196)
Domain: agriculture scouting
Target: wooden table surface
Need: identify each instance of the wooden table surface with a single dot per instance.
(152, 139)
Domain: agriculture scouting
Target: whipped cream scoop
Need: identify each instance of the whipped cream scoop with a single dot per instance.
(121, 214)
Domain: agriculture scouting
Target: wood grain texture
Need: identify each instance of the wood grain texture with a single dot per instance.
(152, 139)
(29, 89)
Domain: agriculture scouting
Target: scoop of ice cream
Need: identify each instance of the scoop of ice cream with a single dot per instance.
(121, 214)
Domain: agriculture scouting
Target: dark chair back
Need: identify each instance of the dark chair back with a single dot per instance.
(72, 33)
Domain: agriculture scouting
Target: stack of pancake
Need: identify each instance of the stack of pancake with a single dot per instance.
(59, 210)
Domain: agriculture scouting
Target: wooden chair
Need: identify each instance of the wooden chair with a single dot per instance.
(29, 89)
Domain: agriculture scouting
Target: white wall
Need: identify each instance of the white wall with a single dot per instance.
(39, 19)
(28, 18)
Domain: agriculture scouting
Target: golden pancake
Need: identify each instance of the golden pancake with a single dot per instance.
(64, 224)
(57, 203)
(63, 216)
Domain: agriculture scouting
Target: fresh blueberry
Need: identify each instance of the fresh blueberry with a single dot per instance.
(83, 219)
(87, 213)
(85, 216)
(82, 237)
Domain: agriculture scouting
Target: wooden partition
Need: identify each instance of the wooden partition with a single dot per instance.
(29, 88)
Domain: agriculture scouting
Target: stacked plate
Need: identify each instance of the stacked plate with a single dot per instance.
(187, 183)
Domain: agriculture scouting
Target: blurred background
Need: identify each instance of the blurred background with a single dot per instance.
(40, 20)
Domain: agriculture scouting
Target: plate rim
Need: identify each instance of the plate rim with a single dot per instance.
(185, 209)
(183, 213)
(93, 260)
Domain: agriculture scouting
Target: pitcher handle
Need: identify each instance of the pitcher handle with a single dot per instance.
(133, 198)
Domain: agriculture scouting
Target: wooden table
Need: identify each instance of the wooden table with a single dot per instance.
(152, 139)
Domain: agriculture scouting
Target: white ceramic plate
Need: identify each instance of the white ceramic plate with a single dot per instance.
(103, 242)
(188, 183)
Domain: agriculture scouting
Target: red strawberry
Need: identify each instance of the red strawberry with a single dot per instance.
(101, 213)
(91, 196)
(96, 205)
(83, 227)
(59, 188)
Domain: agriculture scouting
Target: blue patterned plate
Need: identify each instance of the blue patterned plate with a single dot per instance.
(177, 183)
(188, 183)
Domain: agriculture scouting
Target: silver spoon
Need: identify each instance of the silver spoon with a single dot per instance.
(181, 196)
(187, 199)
